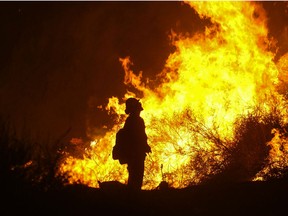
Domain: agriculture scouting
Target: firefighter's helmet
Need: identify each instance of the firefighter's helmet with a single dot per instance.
(132, 105)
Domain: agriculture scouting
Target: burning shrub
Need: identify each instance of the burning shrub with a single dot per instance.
(200, 150)
(204, 156)
(252, 150)
(277, 166)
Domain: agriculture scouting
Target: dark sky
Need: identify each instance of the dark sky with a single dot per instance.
(60, 60)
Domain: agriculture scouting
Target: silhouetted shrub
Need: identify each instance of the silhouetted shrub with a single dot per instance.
(27, 162)
(250, 152)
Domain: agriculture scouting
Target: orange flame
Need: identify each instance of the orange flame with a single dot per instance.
(212, 78)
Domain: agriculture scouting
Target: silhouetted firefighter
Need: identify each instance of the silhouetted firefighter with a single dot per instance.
(132, 139)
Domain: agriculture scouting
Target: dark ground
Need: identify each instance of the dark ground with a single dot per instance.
(252, 198)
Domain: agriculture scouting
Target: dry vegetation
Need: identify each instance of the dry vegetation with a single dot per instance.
(28, 169)
(240, 159)
(27, 162)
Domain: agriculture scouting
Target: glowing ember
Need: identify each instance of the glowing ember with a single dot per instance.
(211, 79)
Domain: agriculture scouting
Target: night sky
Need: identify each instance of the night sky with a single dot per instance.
(60, 60)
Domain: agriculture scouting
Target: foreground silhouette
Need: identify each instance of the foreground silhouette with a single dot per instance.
(134, 147)
(238, 199)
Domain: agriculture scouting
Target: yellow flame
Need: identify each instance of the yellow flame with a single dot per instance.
(278, 154)
(212, 78)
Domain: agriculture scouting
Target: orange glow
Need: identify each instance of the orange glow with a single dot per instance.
(211, 79)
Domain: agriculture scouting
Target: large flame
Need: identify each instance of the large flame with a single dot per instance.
(211, 79)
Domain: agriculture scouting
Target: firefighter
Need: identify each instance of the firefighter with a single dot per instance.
(137, 143)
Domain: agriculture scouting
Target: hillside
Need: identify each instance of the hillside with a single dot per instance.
(252, 198)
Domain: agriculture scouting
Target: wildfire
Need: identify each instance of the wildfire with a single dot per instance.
(213, 78)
